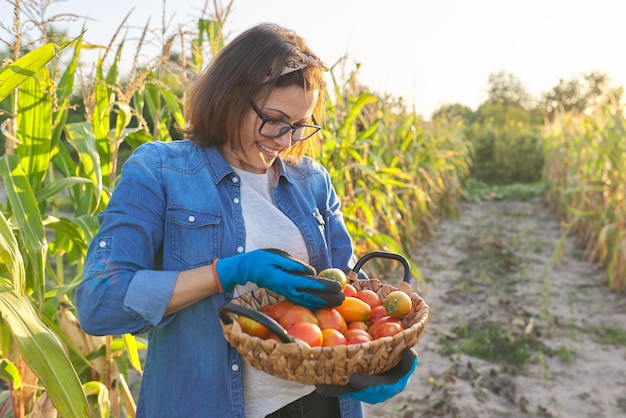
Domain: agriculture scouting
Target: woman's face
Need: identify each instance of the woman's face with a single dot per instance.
(290, 104)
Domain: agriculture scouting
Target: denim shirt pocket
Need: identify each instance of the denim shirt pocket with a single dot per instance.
(102, 254)
(194, 236)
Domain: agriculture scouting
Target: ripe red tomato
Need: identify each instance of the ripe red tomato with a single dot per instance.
(388, 329)
(295, 314)
(370, 297)
(329, 318)
(306, 331)
(266, 309)
(397, 303)
(353, 309)
(349, 290)
(373, 328)
(351, 333)
(252, 327)
(359, 339)
(277, 310)
(377, 313)
(332, 337)
(358, 325)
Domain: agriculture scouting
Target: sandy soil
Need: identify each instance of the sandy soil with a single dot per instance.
(494, 268)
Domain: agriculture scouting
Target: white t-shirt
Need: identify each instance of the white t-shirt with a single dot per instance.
(267, 227)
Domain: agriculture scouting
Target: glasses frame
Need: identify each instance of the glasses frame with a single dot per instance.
(265, 119)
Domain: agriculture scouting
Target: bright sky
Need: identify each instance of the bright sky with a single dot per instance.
(428, 52)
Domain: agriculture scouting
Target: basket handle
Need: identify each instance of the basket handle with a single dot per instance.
(389, 255)
(260, 317)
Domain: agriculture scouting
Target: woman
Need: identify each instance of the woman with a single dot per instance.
(187, 227)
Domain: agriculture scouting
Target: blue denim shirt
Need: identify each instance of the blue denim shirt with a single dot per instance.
(176, 207)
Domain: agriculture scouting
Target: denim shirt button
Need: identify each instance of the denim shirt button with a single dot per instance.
(235, 367)
(102, 244)
(236, 200)
(239, 249)
(192, 219)
(235, 179)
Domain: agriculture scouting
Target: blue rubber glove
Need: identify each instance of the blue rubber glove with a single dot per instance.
(278, 271)
(373, 389)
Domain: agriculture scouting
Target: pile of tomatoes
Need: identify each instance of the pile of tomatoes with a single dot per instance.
(363, 316)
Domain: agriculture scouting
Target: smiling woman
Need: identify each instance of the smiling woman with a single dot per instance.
(216, 214)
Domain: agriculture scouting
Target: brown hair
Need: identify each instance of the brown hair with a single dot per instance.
(246, 70)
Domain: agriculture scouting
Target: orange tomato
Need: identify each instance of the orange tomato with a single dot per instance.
(295, 314)
(397, 303)
(370, 297)
(252, 327)
(329, 318)
(354, 309)
(349, 290)
(306, 331)
(332, 337)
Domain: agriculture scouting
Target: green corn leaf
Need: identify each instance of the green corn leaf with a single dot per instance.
(43, 354)
(10, 373)
(69, 237)
(112, 78)
(94, 388)
(64, 91)
(101, 124)
(172, 104)
(58, 186)
(28, 218)
(362, 100)
(213, 33)
(366, 133)
(34, 126)
(82, 138)
(123, 119)
(10, 255)
(24, 68)
(133, 353)
(152, 101)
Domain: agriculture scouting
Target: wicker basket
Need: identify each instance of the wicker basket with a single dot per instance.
(301, 363)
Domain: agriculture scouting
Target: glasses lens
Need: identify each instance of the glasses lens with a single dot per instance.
(304, 132)
(274, 128)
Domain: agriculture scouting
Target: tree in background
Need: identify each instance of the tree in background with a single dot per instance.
(506, 129)
(506, 89)
(582, 94)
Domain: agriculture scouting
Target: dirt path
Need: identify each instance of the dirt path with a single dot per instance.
(544, 339)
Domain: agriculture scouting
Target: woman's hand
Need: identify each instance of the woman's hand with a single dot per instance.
(376, 388)
(278, 271)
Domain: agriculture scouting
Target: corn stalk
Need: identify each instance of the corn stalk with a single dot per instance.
(586, 173)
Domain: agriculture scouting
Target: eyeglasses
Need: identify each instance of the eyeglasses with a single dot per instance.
(274, 128)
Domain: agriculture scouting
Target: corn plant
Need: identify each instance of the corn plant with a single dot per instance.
(31, 352)
(396, 175)
(586, 175)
